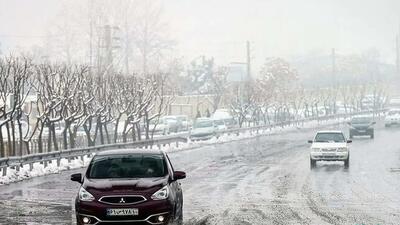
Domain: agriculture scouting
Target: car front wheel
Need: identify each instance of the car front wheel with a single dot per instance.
(347, 162)
(313, 163)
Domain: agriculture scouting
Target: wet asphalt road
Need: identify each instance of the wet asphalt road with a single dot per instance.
(265, 180)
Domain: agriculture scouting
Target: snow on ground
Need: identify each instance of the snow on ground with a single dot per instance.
(39, 170)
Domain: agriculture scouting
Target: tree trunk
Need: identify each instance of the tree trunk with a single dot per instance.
(9, 142)
(40, 140)
(139, 132)
(14, 146)
(100, 127)
(21, 139)
(2, 149)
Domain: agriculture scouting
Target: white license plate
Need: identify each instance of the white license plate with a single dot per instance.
(362, 131)
(122, 212)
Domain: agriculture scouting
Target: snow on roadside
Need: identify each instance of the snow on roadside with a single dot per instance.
(52, 168)
(39, 170)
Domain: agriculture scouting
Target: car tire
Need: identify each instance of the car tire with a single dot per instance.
(347, 163)
(387, 125)
(313, 163)
(372, 136)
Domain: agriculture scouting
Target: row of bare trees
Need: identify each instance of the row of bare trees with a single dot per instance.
(42, 103)
(277, 96)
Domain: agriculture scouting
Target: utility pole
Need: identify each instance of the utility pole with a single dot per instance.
(398, 54)
(248, 60)
(334, 80)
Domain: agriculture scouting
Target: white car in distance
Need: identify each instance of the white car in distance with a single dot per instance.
(392, 117)
(329, 146)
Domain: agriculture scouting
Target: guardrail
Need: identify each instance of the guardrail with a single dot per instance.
(45, 158)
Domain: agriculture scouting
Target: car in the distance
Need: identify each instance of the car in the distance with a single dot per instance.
(362, 126)
(130, 186)
(329, 146)
(203, 129)
(220, 125)
(392, 118)
(159, 126)
(173, 123)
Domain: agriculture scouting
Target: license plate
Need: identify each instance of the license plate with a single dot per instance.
(122, 212)
(362, 131)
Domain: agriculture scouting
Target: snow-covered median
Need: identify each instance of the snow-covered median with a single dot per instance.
(39, 169)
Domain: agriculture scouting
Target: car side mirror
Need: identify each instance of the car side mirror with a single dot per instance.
(373, 123)
(76, 177)
(310, 141)
(349, 141)
(179, 175)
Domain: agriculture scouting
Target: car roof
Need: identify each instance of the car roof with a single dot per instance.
(363, 116)
(130, 151)
(330, 131)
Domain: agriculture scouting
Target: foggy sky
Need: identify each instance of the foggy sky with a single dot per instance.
(220, 28)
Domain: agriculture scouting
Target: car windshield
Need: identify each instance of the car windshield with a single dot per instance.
(202, 124)
(362, 120)
(394, 112)
(219, 122)
(127, 166)
(329, 137)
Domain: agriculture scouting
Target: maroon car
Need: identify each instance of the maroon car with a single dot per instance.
(129, 187)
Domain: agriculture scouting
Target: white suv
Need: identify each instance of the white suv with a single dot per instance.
(392, 117)
(329, 146)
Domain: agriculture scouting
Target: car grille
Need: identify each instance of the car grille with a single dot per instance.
(123, 199)
(329, 149)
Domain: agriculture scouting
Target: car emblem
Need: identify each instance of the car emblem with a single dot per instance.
(122, 200)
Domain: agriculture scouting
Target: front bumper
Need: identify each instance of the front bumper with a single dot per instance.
(198, 137)
(335, 156)
(361, 132)
(392, 122)
(148, 213)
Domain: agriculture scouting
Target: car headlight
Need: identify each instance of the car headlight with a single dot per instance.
(161, 194)
(342, 149)
(85, 195)
(315, 149)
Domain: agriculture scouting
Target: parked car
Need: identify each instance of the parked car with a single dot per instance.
(203, 128)
(329, 146)
(173, 123)
(220, 125)
(183, 122)
(224, 114)
(392, 118)
(130, 186)
(159, 126)
(362, 126)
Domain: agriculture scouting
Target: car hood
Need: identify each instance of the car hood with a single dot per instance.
(329, 145)
(361, 125)
(114, 186)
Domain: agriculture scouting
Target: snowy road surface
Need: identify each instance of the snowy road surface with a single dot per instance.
(266, 180)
